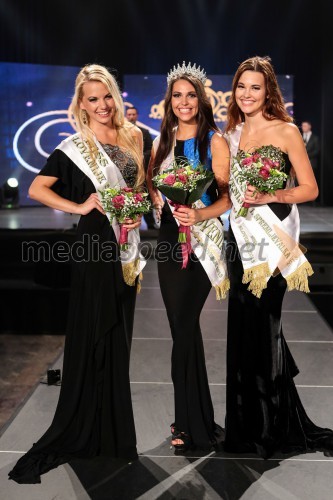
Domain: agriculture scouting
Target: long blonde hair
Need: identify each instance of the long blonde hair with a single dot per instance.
(97, 73)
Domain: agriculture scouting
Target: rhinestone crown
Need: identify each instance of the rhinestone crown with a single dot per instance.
(179, 71)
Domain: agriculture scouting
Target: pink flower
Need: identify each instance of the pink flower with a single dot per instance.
(118, 201)
(182, 178)
(256, 157)
(247, 161)
(138, 197)
(264, 173)
(169, 180)
(127, 190)
(268, 163)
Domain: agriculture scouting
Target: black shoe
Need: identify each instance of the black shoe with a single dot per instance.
(186, 444)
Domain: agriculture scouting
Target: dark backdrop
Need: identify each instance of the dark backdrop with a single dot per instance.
(150, 36)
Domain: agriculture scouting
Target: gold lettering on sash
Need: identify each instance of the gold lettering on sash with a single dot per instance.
(92, 164)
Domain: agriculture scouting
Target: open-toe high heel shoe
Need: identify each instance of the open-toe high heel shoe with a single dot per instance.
(183, 447)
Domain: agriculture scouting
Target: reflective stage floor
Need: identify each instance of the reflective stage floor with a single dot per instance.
(159, 474)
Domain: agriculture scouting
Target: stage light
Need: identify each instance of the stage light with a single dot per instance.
(9, 193)
(12, 182)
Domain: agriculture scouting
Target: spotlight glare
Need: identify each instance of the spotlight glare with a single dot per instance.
(9, 193)
(12, 182)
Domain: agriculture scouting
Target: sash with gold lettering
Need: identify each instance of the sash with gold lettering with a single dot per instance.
(266, 244)
(207, 239)
(105, 174)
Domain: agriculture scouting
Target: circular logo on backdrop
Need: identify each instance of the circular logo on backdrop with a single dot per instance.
(38, 136)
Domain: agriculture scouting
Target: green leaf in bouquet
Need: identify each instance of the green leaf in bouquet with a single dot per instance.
(177, 195)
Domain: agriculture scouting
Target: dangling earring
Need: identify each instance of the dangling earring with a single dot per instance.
(84, 117)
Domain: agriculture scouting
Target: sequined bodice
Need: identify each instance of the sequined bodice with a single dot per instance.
(124, 161)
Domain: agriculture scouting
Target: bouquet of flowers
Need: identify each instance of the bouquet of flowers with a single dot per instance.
(183, 184)
(124, 203)
(263, 169)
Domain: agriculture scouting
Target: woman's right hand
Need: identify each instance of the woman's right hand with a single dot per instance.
(90, 204)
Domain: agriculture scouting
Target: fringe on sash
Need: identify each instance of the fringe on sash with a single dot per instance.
(298, 280)
(257, 276)
(140, 278)
(130, 272)
(222, 289)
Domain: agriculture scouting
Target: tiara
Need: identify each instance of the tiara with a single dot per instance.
(179, 71)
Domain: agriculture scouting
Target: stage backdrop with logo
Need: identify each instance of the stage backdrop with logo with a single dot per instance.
(34, 102)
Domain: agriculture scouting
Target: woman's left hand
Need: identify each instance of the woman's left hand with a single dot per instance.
(187, 216)
(132, 224)
(254, 197)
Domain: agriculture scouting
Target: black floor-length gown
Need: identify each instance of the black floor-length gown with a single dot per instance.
(264, 413)
(94, 413)
(184, 293)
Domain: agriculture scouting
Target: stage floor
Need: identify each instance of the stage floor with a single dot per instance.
(159, 474)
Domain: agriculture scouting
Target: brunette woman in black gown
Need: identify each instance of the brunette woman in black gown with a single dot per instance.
(94, 413)
(188, 131)
(264, 412)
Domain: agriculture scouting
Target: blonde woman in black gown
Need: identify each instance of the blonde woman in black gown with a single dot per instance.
(94, 413)
(264, 412)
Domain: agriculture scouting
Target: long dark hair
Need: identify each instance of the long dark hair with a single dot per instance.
(205, 119)
(274, 106)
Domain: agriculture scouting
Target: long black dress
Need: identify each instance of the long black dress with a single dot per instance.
(94, 413)
(184, 293)
(264, 413)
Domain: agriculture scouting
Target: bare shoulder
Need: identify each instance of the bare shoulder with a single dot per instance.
(289, 128)
(291, 136)
(282, 134)
(218, 141)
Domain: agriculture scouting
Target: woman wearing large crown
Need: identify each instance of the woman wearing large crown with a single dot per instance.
(188, 130)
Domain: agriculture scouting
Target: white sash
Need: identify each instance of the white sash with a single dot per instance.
(105, 174)
(206, 240)
(267, 245)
